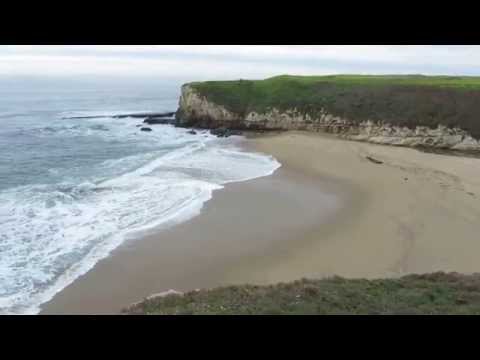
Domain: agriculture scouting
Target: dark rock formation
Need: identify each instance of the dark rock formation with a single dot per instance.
(143, 115)
(159, 121)
(225, 132)
(122, 116)
(145, 129)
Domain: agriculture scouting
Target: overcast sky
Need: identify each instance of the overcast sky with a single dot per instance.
(199, 62)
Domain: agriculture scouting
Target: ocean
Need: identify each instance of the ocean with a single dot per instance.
(72, 190)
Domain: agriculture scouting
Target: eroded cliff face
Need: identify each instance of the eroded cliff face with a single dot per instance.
(197, 111)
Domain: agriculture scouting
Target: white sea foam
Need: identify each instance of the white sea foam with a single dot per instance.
(53, 233)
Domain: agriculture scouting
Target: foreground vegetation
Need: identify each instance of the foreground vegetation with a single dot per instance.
(437, 293)
(406, 100)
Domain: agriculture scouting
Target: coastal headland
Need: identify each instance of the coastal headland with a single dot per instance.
(436, 112)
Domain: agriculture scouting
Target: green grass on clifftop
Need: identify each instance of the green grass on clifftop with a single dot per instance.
(406, 100)
(437, 293)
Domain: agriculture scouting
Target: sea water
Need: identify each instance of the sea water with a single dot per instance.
(72, 190)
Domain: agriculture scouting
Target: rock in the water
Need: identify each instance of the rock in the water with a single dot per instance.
(145, 129)
(224, 132)
(142, 115)
(192, 132)
(220, 132)
(157, 121)
(140, 125)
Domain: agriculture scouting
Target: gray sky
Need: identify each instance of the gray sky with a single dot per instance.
(200, 62)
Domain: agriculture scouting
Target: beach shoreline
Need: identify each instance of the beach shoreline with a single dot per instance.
(327, 211)
(245, 222)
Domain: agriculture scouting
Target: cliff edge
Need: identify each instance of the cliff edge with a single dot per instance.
(428, 294)
(418, 111)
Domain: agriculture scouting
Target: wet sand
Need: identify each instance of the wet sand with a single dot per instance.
(327, 211)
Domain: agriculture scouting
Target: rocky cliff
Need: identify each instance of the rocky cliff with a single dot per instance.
(213, 109)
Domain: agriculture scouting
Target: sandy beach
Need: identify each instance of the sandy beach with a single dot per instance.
(327, 211)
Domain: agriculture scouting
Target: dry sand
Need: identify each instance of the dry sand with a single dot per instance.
(327, 211)
(420, 212)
